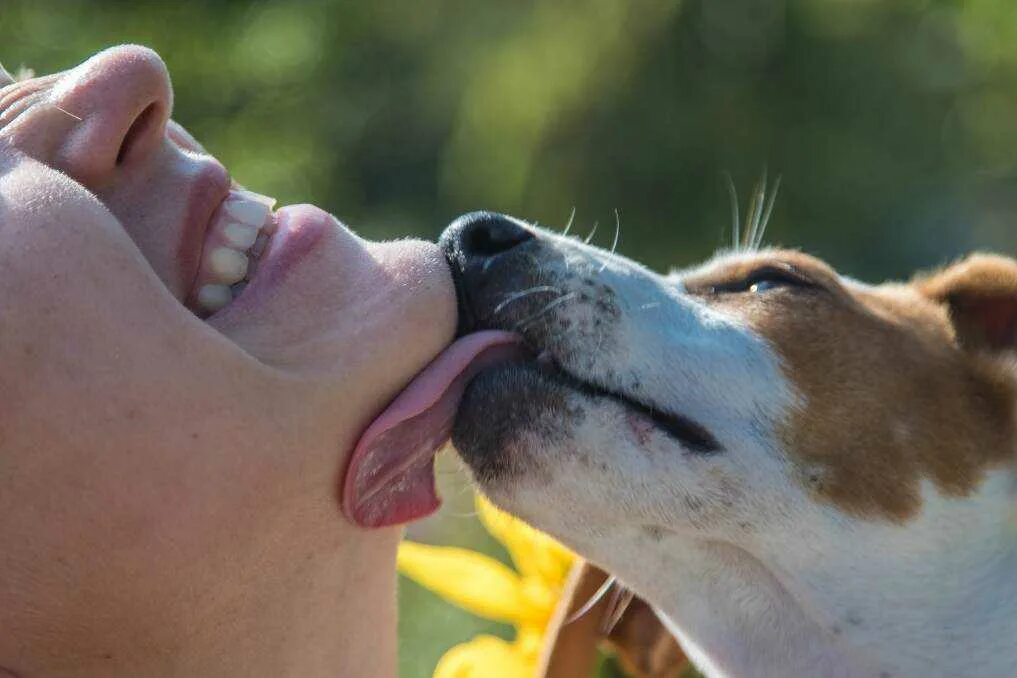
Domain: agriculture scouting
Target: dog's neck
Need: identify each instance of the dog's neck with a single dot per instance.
(922, 599)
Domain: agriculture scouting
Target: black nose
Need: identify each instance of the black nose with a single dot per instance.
(475, 237)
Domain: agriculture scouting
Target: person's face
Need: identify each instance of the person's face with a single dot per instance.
(158, 465)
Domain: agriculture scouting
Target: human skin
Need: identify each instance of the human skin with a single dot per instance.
(168, 485)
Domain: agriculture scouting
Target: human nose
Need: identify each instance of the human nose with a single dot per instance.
(123, 99)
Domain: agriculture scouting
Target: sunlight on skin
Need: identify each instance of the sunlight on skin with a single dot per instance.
(168, 486)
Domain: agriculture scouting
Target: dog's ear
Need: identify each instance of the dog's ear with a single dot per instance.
(980, 293)
(643, 646)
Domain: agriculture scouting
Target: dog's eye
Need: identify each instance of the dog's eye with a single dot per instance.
(764, 285)
(767, 278)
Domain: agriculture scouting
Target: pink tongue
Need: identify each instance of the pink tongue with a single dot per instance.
(390, 479)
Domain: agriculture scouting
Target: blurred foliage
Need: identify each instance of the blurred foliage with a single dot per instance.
(893, 123)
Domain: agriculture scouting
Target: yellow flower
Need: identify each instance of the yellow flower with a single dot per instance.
(525, 597)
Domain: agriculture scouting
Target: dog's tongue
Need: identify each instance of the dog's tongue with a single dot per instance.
(390, 479)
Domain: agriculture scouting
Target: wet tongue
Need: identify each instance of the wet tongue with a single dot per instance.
(390, 479)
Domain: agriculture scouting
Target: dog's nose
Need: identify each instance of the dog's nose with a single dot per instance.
(475, 237)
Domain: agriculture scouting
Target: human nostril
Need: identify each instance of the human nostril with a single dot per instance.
(122, 98)
(141, 128)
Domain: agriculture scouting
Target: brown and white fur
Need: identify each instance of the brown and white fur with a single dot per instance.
(805, 475)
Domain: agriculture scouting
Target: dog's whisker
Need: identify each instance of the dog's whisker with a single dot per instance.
(755, 212)
(534, 260)
(766, 213)
(592, 602)
(749, 214)
(542, 312)
(592, 233)
(522, 294)
(537, 264)
(736, 228)
(464, 488)
(620, 599)
(568, 225)
(521, 325)
(614, 244)
(467, 515)
(617, 231)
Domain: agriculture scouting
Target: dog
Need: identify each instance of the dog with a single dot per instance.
(803, 474)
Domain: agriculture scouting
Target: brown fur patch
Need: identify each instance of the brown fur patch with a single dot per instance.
(890, 396)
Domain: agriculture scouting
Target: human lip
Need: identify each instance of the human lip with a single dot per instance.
(298, 230)
(209, 187)
(287, 237)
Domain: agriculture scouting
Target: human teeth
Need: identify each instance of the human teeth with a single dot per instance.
(228, 265)
(237, 236)
(251, 208)
(248, 194)
(240, 236)
(213, 297)
(252, 213)
(259, 245)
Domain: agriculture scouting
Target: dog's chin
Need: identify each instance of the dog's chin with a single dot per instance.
(508, 415)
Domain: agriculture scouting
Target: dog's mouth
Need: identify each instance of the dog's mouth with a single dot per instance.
(390, 478)
(687, 432)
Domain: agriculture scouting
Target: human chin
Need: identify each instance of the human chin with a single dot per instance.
(324, 301)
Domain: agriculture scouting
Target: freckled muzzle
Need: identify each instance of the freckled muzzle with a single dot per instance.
(490, 426)
(510, 277)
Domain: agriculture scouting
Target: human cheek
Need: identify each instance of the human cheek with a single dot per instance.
(119, 411)
(96, 357)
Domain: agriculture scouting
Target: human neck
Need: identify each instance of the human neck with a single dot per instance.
(329, 614)
(334, 616)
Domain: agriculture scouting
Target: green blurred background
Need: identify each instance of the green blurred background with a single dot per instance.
(893, 123)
